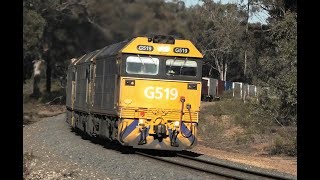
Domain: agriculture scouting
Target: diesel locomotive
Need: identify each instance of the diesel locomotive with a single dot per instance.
(144, 92)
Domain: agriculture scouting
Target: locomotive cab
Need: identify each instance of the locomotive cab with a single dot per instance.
(152, 85)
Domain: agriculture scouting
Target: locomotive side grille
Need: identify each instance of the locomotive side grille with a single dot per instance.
(150, 114)
(127, 113)
(175, 116)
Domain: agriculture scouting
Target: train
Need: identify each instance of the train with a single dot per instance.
(143, 92)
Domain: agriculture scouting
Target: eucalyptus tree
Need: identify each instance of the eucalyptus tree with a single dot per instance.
(280, 66)
(60, 30)
(217, 30)
(33, 28)
(277, 62)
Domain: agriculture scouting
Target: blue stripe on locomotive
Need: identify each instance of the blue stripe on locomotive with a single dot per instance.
(187, 132)
(130, 128)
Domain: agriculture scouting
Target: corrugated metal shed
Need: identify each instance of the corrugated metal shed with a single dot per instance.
(252, 90)
(209, 86)
(227, 85)
(237, 89)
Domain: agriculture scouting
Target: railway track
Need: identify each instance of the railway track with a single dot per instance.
(215, 168)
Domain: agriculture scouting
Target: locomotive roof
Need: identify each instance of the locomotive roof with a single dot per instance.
(112, 49)
(87, 57)
(184, 48)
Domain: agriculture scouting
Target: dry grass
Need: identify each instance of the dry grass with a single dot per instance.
(44, 106)
(235, 126)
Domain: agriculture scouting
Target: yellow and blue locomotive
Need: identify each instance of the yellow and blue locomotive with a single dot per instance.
(144, 92)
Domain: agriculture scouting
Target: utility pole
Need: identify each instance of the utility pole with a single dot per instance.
(246, 41)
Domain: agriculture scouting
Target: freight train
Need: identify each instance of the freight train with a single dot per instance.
(143, 92)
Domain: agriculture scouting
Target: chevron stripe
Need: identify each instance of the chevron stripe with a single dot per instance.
(129, 129)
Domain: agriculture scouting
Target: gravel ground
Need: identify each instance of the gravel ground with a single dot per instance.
(59, 153)
(56, 152)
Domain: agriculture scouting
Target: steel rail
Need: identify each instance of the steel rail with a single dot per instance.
(190, 166)
(274, 176)
(215, 172)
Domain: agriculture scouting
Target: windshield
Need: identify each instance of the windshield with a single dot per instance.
(142, 65)
(181, 67)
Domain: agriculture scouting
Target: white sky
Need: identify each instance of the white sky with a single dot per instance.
(257, 17)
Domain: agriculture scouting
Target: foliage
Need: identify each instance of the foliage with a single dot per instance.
(32, 32)
(280, 66)
(33, 27)
(276, 8)
(217, 30)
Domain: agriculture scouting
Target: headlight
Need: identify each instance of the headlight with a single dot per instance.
(163, 49)
(176, 123)
(141, 122)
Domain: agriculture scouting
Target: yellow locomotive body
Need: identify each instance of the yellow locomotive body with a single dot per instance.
(145, 94)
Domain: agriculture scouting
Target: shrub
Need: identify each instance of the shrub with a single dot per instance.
(243, 139)
(257, 119)
(284, 146)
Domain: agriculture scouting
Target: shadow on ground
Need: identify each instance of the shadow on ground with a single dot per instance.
(114, 145)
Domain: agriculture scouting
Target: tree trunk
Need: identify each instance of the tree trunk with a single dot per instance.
(220, 69)
(221, 76)
(210, 71)
(246, 41)
(245, 63)
(36, 78)
(36, 89)
(48, 77)
(225, 72)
